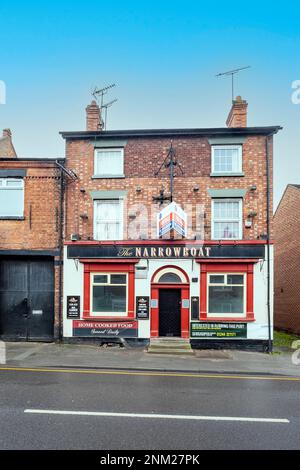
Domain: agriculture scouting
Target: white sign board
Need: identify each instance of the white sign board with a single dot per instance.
(170, 218)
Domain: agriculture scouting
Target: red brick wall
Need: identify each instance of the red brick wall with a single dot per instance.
(287, 261)
(143, 157)
(40, 228)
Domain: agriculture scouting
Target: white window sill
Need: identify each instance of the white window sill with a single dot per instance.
(107, 239)
(226, 239)
(12, 217)
(107, 176)
(221, 316)
(111, 315)
(228, 174)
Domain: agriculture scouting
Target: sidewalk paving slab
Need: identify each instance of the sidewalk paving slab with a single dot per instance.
(80, 356)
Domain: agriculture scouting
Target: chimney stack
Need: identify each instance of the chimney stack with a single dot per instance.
(7, 149)
(237, 116)
(93, 117)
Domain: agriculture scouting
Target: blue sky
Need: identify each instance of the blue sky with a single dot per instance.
(163, 56)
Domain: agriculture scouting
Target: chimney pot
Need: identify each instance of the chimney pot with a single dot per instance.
(237, 116)
(7, 133)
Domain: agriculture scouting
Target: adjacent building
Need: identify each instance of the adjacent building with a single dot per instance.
(129, 274)
(287, 260)
(30, 241)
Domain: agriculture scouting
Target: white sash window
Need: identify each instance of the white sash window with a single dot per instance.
(226, 159)
(11, 197)
(108, 219)
(227, 219)
(109, 162)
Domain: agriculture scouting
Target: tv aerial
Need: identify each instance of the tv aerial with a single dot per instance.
(232, 73)
(105, 106)
(98, 94)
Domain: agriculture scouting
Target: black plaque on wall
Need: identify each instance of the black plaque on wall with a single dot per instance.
(195, 308)
(73, 306)
(142, 307)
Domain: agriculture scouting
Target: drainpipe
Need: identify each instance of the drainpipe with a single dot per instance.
(270, 347)
(61, 246)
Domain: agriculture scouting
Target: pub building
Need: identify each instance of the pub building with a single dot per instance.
(168, 234)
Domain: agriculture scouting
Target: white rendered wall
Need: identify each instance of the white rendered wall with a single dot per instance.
(259, 328)
(74, 285)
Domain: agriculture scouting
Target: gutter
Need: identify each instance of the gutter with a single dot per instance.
(192, 132)
(64, 172)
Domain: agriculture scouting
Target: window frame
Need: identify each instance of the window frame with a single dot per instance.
(94, 314)
(108, 175)
(118, 267)
(121, 224)
(5, 187)
(238, 172)
(240, 221)
(240, 315)
(223, 266)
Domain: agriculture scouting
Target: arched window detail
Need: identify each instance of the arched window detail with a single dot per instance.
(170, 275)
(170, 278)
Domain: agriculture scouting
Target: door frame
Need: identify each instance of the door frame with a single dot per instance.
(178, 312)
(184, 311)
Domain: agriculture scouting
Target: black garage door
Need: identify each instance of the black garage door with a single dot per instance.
(26, 299)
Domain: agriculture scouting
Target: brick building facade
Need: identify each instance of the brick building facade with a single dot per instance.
(30, 234)
(287, 261)
(217, 280)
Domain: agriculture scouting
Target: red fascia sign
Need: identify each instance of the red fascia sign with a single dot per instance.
(105, 329)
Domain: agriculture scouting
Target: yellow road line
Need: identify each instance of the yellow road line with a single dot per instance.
(152, 374)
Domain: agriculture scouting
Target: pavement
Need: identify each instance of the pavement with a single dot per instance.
(83, 356)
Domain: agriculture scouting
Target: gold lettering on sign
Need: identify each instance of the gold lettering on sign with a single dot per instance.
(207, 249)
(160, 253)
(193, 252)
(125, 252)
(138, 252)
(177, 251)
(153, 252)
(164, 252)
(168, 251)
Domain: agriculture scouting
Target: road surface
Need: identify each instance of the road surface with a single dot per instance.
(94, 409)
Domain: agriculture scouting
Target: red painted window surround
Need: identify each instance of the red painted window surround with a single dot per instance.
(111, 267)
(216, 266)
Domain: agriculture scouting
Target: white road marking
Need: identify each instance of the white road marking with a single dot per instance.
(157, 416)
